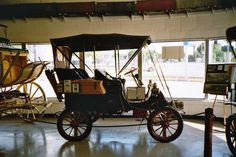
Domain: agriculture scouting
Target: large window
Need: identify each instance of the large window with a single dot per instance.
(180, 67)
(220, 51)
(106, 60)
(176, 66)
(42, 52)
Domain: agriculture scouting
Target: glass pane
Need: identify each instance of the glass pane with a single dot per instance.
(17, 46)
(75, 61)
(105, 60)
(89, 61)
(220, 52)
(177, 66)
(42, 52)
(124, 56)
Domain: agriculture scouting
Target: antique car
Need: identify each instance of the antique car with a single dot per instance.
(88, 98)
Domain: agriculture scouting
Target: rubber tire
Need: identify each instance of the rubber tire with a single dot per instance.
(231, 133)
(177, 117)
(62, 131)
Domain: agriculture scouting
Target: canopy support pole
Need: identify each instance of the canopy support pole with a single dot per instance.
(118, 57)
(115, 57)
(133, 56)
(94, 57)
(81, 55)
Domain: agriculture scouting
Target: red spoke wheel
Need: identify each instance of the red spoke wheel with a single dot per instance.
(74, 126)
(165, 124)
(231, 133)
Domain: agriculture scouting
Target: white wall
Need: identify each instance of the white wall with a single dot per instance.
(159, 27)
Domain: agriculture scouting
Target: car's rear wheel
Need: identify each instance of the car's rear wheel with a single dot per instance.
(74, 126)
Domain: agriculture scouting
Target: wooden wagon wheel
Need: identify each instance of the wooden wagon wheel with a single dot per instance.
(165, 124)
(74, 126)
(35, 101)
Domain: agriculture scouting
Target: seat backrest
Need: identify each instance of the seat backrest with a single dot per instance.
(67, 74)
(82, 73)
(99, 75)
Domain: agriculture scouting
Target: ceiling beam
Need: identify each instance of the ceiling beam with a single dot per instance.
(83, 9)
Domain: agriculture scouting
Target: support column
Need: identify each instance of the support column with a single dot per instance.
(140, 65)
(207, 58)
(81, 55)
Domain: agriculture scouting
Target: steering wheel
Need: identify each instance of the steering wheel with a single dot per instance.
(130, 71)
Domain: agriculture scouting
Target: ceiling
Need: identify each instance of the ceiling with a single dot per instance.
(59, 9)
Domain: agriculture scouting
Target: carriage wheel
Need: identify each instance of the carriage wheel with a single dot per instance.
(35, 101)
(231, 133)
(165, 124)
(74, 126)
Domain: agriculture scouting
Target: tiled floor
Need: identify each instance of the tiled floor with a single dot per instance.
(21, 139)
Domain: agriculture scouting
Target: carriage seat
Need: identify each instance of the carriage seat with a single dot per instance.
(71, 74)
(112, 85)
(83, 73)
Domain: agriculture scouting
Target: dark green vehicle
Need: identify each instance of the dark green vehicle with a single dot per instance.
(89, 98)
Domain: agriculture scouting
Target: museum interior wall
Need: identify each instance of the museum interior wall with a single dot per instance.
(160, 27)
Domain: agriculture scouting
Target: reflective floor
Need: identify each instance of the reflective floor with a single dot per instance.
(21, 139)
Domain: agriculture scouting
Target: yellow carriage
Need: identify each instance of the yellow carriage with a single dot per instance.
(19, 94)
